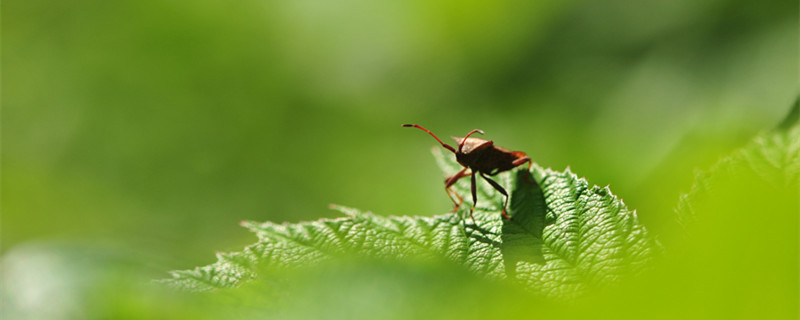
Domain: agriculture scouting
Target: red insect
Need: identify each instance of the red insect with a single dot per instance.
(482, 158)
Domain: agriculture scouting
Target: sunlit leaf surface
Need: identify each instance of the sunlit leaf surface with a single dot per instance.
(564, 236)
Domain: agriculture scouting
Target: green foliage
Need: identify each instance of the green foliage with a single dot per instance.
(771, 159)
(564, 237)
(736, 257)
(137, 134)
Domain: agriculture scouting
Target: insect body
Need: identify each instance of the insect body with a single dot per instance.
(480, 157)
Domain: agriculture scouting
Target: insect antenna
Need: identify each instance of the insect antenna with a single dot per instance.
(461, 145)
(434, 136)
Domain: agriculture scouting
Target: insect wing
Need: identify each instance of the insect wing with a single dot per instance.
(473, 144)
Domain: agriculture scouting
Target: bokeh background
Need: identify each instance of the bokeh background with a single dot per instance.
(142, 132)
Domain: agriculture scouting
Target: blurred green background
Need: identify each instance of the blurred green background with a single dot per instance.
(149, 129)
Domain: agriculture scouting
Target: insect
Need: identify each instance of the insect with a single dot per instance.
(480, 157)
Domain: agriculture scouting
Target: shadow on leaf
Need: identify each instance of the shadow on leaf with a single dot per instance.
(522, 234)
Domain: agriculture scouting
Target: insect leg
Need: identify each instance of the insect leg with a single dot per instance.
(449, 183)
(498, 188)
(523, 160)
(456, 203)
(474, 199)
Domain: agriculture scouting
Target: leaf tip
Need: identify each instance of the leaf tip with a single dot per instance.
(249, 224)
(350, 212)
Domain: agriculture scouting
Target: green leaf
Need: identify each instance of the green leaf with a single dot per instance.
(564, 237)
(737, 254)
(773, 158)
